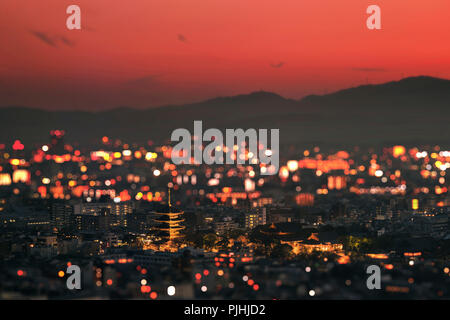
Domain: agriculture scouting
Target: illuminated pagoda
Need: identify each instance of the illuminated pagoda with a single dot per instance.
(169, 223)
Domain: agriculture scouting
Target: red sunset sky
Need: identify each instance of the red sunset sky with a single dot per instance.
(156, 52)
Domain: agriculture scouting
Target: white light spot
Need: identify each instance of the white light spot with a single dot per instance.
(171, 290)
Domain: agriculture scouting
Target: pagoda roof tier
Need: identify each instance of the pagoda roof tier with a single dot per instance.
(169, 221)
(170, 213)
(170, 229)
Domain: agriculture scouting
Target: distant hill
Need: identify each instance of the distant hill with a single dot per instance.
(411, 111)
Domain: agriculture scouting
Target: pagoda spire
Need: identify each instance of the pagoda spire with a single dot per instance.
(170, 203)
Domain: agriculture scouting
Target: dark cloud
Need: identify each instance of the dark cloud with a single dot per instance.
(370, 69)
(182, 38)
(44, 38)
(67, 41)
(277, 65)
(52, 40)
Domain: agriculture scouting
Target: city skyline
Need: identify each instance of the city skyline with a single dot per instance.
(307, 232)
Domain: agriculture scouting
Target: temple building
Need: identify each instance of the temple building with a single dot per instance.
(303, 240)
(168, 225)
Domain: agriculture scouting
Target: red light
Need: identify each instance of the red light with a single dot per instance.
(153, 295)
(109, 282)
(250, 282)
(198, 276)
(144, 271)
(18, 145)
(255, 287)
(20, 273)
(206, 272)
(146, 289)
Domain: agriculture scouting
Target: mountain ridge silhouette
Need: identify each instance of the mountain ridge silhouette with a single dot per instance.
(412, 110)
